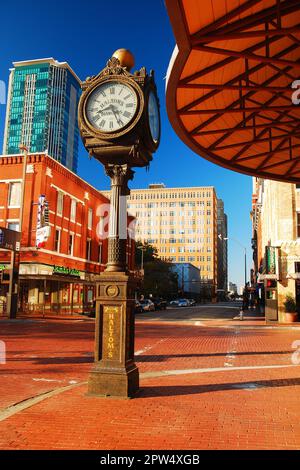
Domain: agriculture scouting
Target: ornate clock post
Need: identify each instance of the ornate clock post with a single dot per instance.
(120, 126)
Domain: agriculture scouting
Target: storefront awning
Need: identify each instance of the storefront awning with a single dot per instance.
(229, 89)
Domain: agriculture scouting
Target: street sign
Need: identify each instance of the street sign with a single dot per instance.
(9, 239)
(42, 235)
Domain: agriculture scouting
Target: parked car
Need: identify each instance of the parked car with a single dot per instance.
(138, 307)
(183, 303)
(192, 302)
(173, 303)
(147, 305)
(159, 304)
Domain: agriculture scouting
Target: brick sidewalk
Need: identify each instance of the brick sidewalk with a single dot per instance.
(201, 388)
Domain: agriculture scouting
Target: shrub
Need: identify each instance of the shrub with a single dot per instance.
(290, 304)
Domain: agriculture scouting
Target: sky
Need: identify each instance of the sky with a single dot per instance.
(85, 34)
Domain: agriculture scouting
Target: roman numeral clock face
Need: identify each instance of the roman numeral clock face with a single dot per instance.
(111, 106)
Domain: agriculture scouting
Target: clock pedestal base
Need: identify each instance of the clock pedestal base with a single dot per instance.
(114, 373)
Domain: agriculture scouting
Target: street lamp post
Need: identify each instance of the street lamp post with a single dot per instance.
(143, 249)
(245, 253)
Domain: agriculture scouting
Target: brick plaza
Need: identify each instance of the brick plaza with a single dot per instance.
(204, 385)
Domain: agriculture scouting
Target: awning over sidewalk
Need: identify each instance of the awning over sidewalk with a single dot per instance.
(229, 90)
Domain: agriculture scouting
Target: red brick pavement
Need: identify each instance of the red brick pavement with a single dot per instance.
(255, 408)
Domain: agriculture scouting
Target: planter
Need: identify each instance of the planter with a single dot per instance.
(291, 317)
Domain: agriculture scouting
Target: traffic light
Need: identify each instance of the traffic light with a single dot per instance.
(271, 283)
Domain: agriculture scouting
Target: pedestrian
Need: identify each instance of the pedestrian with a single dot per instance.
(245, 298)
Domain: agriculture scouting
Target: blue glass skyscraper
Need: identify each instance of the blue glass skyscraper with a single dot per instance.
(41, 112)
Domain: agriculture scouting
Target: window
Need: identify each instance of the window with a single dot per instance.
(88, 249)
(73, 210)
(71, 244)
(60, 203)
(90, 219)
(57, 240)
(13, 226)
(14, 197)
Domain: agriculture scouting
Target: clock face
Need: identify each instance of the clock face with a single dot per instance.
(111, 106)
(153, 115)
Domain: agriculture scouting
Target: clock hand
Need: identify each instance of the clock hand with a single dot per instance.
(104, 109)
(115, 111)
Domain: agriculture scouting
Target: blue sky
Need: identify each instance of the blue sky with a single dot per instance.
(85, 34)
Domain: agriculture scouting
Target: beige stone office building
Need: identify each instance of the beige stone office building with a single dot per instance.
(181, 223)
(276, 237)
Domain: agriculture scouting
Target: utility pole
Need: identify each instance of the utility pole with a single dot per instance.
(13, 292)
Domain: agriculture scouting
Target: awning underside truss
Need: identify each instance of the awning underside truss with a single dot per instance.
(229, 93)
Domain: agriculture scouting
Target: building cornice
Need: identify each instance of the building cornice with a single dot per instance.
(50, 61)
(53, 164)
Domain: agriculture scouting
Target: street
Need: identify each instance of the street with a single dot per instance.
(220, 311)
(207, 381)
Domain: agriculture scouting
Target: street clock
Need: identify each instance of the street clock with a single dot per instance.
(119, 117)
(119, 124)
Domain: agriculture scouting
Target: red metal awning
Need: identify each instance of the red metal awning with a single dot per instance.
(229, 89)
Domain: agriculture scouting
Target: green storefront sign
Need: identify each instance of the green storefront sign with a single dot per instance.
(271, 260)
(66, 271)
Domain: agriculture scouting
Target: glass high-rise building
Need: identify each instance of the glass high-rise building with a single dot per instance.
(41, 111)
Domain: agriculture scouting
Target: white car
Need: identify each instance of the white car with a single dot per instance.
(183, 303)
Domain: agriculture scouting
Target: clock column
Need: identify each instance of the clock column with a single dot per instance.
(115, 373)
(119, 175)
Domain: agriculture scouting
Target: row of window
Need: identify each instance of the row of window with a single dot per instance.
(155, 205)
(71, 243)
(203, 259)
(168, 195)
(153, 241)
(188, 259)
(14, 200)
(173, 222)
(188, 249)
(173, 231)
(73, 208)
(186, 213)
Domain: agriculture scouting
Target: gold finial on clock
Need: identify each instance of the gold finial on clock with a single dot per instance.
(125, 58)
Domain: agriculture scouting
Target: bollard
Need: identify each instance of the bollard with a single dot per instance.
(241, 314)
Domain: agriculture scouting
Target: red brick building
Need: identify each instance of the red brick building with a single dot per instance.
(60, 275)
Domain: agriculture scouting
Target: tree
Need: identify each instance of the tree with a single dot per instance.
(159, 279)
